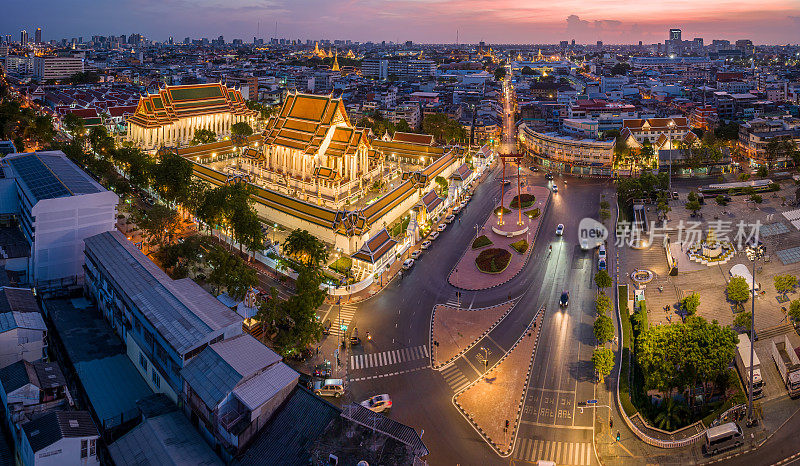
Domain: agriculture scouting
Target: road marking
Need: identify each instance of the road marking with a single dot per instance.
(454, 377)
(562, 453)
(387, 358)
(388, 374)
(555, 426)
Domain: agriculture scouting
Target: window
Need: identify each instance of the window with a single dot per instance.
(84, 444)
(143, 362)
(92, 447)
(156, 379)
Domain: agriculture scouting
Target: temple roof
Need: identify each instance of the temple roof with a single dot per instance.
(174, 102)
(304, 121)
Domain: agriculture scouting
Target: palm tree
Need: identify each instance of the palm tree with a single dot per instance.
(671, 414)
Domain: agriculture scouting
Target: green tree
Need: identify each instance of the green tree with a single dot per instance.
(721, 200)
(690, 303)
(229, 272)
(100, 141)
(203, 136)
(402, 126)
(173, 177)
(670, 414)
(762, 171)
(306, 248)
(74, 125)
(158, 222)
(743, 321)
(443, 185)
(603, 362)
(500, 73)
(693, 206)
(603, 329)
(241, 129)
(785, 283)
(738, 289)
(443, 128)
(270, 311)
(794, 310)
(602, 279)
(756, 198)
(602, 304)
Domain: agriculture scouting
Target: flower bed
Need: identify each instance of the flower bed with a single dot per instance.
(493, 260)
(533, 213)
(520, 246)
(481, 241)
(527, 200)
(501, 210)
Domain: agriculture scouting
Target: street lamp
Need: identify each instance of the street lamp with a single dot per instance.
(755, 251)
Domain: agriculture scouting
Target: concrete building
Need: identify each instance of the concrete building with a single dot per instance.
(22, 328)
(47, 68)
(163, 322)
(567, 154)
(609, 115)
(57, 205)
(756, 134)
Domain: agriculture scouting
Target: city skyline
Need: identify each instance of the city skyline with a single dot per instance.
(434, 21)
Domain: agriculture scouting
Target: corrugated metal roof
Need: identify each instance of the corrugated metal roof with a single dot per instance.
(113, 387)
(210, 377)
(168, 439)
(287, 438)
(261, 388)
(182, 312)
(48, 175)
(55, 425)
(14, 376)
(29, 320)
(245, 354)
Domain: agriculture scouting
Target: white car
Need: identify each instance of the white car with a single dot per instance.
(434, 235)
(425, 244)
(378, 403)
(450, 218)
(416, 254)
(408, 263)
(456, 209)
(560, 229)
(601, 253)
(441, 227)
(555, 189)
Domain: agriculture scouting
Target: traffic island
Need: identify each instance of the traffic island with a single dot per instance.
(455, 330)
(497, 397)
(501, 230)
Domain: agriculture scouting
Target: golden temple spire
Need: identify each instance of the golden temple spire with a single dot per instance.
(335, 66)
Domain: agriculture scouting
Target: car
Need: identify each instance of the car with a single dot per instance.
(377, 403)
(449, 218)
(326, 327)
(462, 205)
(456, 209)
(505, 182)
(416, 254)
(533, 168)
(354, 340)
(408, 263)
(466, 199)
(560, 229)
(322, 369)
(564, 300)
(674, 194)
(441, 227)
(548, 176)
(601, 264)
(555, 189)
(434, 235)
(601, 253)
(425, 244)
(329, 387)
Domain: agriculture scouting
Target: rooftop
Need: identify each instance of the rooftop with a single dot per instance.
(49, 175)
(55, 425)
(182, 312)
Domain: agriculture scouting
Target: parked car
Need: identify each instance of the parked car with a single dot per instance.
(449, 218)
(416, 254)
(408, 263)
(560, 229)
(377, 403)
(354, 340)
(425, 244)
(434, 235)
(329, 387)
(456, 209)
(441, 227)
(601, 264)
(601, 253)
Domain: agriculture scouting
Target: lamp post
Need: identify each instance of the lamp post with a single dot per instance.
(757, 251)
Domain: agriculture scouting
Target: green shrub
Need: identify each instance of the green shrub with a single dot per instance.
(480, 242)
(500, 209)
(533, 213)
(520, 246)
(493, 260)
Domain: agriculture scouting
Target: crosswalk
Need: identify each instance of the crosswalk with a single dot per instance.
(348, 311)
(454, 377)
(454, 301)
(387, 358)
(561, 453)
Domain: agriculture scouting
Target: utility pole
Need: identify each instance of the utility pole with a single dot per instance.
(758, 251)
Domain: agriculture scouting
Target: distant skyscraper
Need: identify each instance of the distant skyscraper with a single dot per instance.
(573, 42)
(674, 34)
(23, 37)
(599, 44)
(38, 36)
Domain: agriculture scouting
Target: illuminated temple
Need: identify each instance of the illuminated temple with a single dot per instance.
(312, 151)
(171, 117)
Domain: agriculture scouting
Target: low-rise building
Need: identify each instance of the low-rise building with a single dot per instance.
(58, 438)
(609, 115)
(636, 132)
(163, 322)
(47, 68)
(756, 135)
(568, 154)
(375, 255)
(233, 387)
(23, 333)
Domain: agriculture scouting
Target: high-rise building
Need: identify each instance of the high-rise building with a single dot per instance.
(38, 36)
(46, 68)
(23, 37)
(675, 34)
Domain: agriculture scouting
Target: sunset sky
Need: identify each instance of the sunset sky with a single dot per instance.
(494, 21)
